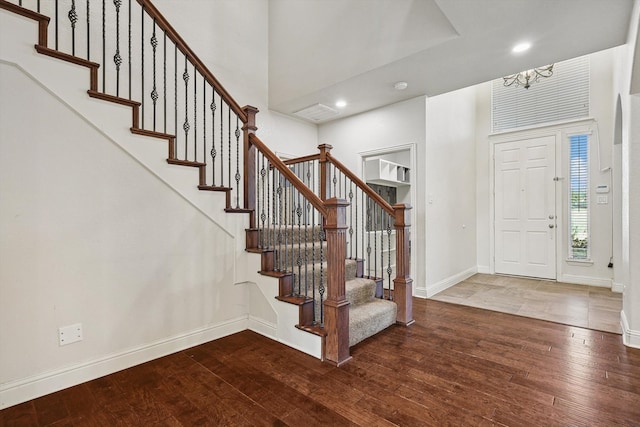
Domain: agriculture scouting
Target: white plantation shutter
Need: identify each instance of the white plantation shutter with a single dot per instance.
(563, 96)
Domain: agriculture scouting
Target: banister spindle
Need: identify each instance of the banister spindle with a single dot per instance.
(229, 141)
(117, 59)
(104, 46)
(204, 120)
(129, 47)
(57, 20)
(88, 8)
(237, 175)
(154, 90)
(213, 137)
(389, 269)
(195, 114)
(73, 18)
(142, 96)
(164, 82)
(185, 125)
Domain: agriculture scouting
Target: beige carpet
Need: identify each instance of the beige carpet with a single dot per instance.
(576, 305)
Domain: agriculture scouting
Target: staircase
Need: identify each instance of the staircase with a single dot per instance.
(330, 240)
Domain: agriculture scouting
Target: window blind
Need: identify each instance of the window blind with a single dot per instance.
(579, 201)
(563, 96)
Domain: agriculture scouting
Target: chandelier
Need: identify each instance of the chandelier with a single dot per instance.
(525, 78)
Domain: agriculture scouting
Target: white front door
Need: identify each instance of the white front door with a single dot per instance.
(525, 211)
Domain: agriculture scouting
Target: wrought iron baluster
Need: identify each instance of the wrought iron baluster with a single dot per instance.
(129, 49)
(272, 238)
(117, 59)
(321, 287)
(185, 125)
(175, 100)
(221, 141)
(229, 141)
(195, 113)
(154, 90)
(56, 25)
(213, 137)
(263, 216)
(389, 269)
(375, 240)
(356, 217)
(204, 120)
(369, 237)
(313, 261)
(280, 207)
(237, 176)
(104, 47)
(350, 220)
(334, 180)
(299, 215)
(73, 18)
(88, 29)
(164, 81)
(142, 97)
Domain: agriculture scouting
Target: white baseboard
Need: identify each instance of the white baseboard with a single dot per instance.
(262, 327)
(450, 281)
(420, 292)
(585, 280)
(13, 393)
(630, 337)
(484, 269)
(617, 287)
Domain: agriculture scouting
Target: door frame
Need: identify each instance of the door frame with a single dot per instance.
(555, 131)
(412, 148)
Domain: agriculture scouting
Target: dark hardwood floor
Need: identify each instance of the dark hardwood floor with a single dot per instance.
(457, 365)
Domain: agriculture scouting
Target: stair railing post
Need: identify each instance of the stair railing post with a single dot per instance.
(325, 172)
(336, 322)
(403, 284)
(250, 163)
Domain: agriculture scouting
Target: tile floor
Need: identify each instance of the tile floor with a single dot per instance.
(576, 305)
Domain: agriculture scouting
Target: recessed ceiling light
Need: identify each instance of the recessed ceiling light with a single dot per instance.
(521, 47)
(341, 103)
(400, 85)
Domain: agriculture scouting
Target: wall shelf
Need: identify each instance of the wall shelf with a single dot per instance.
(384, 172)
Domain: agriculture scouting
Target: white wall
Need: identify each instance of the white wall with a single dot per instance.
(628, 269)
(450, 189)
(443, 129)
(89, 235)
(601, 147)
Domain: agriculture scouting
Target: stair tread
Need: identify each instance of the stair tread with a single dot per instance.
(360, 290)
(367, 319)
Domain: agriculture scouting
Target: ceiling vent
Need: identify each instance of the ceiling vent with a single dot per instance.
(317, 112)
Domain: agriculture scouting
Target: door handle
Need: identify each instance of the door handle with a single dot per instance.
(551, 226)
(552, 216)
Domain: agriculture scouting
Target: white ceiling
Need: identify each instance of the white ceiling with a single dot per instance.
(324, 50)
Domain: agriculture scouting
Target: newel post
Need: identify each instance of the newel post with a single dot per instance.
(250, 163)
(403, 284)
(336, 306)
(325, 172)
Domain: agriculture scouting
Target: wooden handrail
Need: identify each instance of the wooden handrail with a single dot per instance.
(363, 186)
(275, 161)
(173, 35)
(302, 159)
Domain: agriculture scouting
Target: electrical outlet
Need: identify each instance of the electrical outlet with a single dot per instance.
(70, 334)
